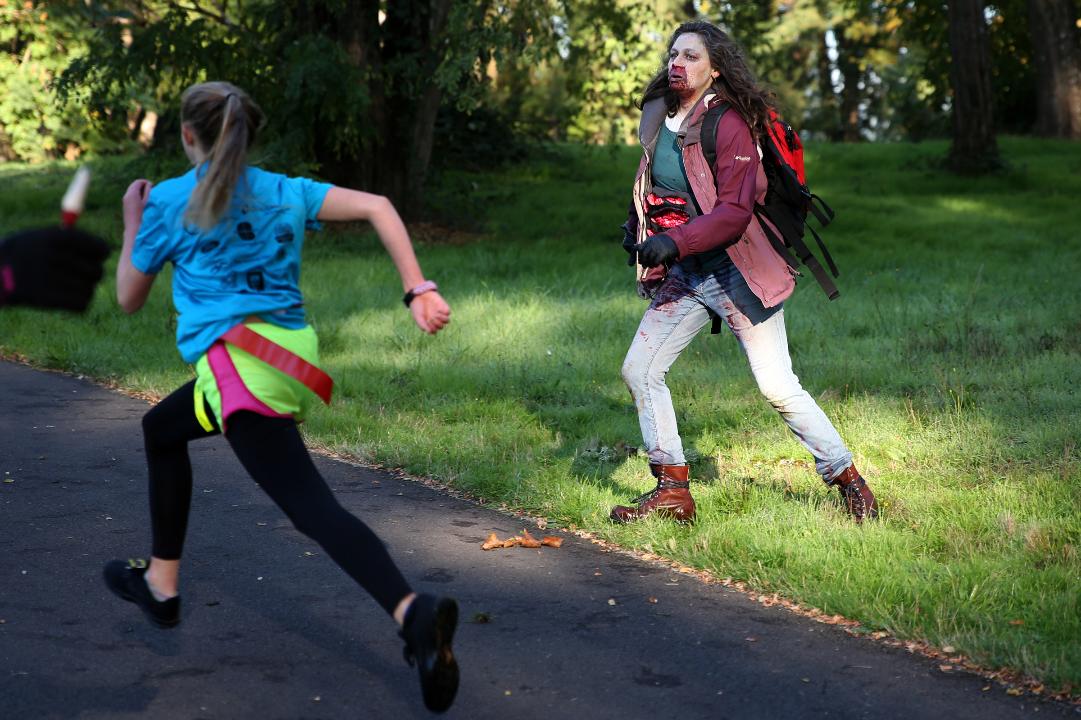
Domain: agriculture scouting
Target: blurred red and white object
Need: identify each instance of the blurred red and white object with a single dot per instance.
(71, 206)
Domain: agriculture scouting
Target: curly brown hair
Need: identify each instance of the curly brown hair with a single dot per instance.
(736, 84)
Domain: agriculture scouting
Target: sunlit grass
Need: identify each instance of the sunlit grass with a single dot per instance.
(950, 365)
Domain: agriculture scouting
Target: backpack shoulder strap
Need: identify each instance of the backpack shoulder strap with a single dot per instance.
(709, 131)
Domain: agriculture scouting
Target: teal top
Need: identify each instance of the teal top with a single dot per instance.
(668, 169)
(248, 264)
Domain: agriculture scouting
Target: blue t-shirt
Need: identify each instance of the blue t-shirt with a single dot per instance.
(248, 264)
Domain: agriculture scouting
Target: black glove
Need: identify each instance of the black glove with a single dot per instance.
(629, 243)
(657, 250)
(51, 267)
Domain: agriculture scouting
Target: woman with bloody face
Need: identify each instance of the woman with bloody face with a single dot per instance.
(702, 255)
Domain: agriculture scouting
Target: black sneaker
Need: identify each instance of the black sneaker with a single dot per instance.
(127, 580)
(429, 629)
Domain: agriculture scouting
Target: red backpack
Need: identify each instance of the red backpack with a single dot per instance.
(788, 199)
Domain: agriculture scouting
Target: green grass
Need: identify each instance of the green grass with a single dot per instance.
(951, 365)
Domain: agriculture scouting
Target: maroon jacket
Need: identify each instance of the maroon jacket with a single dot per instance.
(726, 194)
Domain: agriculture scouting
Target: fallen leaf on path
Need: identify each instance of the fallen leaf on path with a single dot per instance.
(528, 541)
(1015, 691)
(525, 540)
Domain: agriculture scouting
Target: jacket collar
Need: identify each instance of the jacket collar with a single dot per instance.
(649, 127)
(655, 111)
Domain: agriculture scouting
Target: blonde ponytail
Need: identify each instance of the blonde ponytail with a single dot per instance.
(225, 122)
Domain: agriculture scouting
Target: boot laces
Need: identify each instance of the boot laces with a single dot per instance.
(663, 484)
(857, 505)
(646, 496)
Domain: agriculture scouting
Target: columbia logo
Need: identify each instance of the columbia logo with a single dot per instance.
(743, 158)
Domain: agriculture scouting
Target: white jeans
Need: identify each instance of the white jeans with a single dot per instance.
(680, 308)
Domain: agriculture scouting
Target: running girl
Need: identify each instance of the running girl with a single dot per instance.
(233, 234)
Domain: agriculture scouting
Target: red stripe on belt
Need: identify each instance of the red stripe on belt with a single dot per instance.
(278, 357)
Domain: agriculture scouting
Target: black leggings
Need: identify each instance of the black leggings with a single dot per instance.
(274, 454)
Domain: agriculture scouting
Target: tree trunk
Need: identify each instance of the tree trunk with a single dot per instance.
(974, 149)
(826, 92)
(355, 26)
(848, 62)
(413, 29)
(1056, 51)
(399, 58)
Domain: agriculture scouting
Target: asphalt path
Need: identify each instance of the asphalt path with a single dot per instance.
(272, 629)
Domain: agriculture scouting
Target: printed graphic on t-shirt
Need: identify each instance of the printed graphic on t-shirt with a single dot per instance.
(248, 264)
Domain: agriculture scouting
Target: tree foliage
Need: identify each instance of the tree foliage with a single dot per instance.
(353, 87)
(370, 92)
(35, 46)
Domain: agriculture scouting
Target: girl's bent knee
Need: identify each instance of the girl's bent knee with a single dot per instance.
(155, 423)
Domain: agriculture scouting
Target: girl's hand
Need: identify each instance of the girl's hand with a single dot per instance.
(134, 201)
(430, 312)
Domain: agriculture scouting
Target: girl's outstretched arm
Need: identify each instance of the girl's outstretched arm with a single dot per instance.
(132, 285)
(430, 310)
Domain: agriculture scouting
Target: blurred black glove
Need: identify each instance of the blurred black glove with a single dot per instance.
(657, 250)
(629, 243)
(52, 267)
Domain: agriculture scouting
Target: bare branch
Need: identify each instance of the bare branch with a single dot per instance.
(218, 16)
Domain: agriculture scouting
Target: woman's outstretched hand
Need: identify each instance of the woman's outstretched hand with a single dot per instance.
(430, 312)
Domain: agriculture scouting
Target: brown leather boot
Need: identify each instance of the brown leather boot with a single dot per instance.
(858, 498)
(671, 498)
